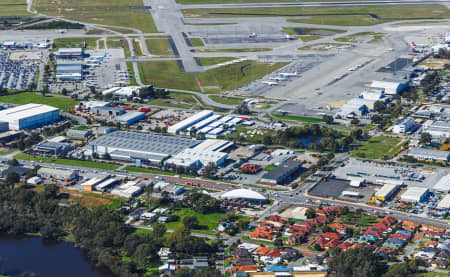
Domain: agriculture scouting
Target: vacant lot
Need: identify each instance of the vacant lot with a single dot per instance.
(62, 103)
(159, 46)
(378, 148)
(226, 100)
(109, 12)
(167, 74)
(344, 16)
(66, 162)
(209, 222)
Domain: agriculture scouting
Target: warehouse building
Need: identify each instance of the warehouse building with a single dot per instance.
(4, 126)
(415, 195)
(391, 87)
(58, 174)
(403, 125)
(69, 53)
(88, 105)
(29, 116)
(66, 71)
(202, 154)
(79, 134)
(182, 125)
(356, 107)
(386, 192)
(281, 173)
(444, 204)
(443, 185)
(52, 148)
(437, 129)
(123, 91)
(139, 147)
(429, 154)
(128, 190)
(108, 111)
(130, 118)
(169, 188)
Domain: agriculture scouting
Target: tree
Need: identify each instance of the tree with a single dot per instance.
(148, 190)
(356, 262)
(310, 213)
(243, 109)
(278, 243)
(64, 91)
(190, 222)
(328, 119)
(425, 138)
(405, 269)
(210, 170)
(106, 156)
(51, 191)
(144, 253)
(12, 178)
(13, 162)
(379, 106)
(159, 230)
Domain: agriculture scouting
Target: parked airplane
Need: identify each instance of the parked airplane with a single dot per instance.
(270, 83)
(281, 78)
(253, 35)
(418, 45)
(287, 74)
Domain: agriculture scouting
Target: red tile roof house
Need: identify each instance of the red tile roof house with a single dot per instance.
(410, 225)
(345, 245)
(332, 244)
(340, 228)
(261, 250)
(328, 240)
(262, 235)
(399, 236)
(321, 219)
(296, 238)
(389, 220)
(373, 232)
(432, 234)
(328, 211)
(305, 226)
(250, 168)
(330, 235)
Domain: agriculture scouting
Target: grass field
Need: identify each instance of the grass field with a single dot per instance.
(13, 8)
(226, 100)
(147, 171)
(62, 103)
(209, 221)
(340, 16)
(215, 60)
(159, 46)
(420, 22)
(321, 46)
(108, 12)
(167, 74)
(297, 118)
(114, 43)
(376, 37)
(378, 147)
(131, 71)
(66, 162)
(189, 2)
(90, 43)
(137, 47)
(197, 42)
(234, 50)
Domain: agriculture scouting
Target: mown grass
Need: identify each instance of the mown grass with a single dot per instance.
(226, 100)
(167, 74)
(376, 37)
(215, 60)
(159, 47)
(108, 12)
(234, 50)
(13, 8)
(208, 221)
(378, 148)
(91, 164)
(197, 42)
(337, 15)
(89, 43)
(62, 103)
(298, 118)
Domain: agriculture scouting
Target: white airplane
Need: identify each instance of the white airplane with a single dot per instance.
(270, 83)
(282, 78)
(418, 45)
(253, 35)
(289, 74)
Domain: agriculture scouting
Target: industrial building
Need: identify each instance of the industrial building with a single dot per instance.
(123, 91)
(130, 118)
(128, 190)
(4, 126)
(79, 134)
(391, 87)
(107, 111)
(90, 184)
(139, 147)
(58, 174)
(281, 173)
(69, 53)
(443, 185)
(403, 125)
(437, 129)
(88, 105)
(373, 94)
(29, 116)
(444, 204)
(169, 188)
(52, 148)
(386, 192)
(356, 107)
(189, 121)
(243, 194)
(202, 154)
(429, 154)
(415, 195)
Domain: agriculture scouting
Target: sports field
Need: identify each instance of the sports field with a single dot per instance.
(109, 12)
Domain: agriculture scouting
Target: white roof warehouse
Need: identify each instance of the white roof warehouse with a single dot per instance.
(29, 116)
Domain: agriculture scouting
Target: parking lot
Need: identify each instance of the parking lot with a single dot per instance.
(18, 69)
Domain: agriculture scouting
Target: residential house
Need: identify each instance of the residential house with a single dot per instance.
(340, 228)
(344, 245)
(410, 225)
(387, 252)
(394, 243)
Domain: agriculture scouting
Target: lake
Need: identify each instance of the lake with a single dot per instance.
(45, 258)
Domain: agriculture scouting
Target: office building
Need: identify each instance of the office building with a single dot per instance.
(429, 154)
(403, 125)
(29, 116)
(437, 129)
(69, 53)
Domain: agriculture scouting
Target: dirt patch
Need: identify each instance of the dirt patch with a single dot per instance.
(88, 200)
